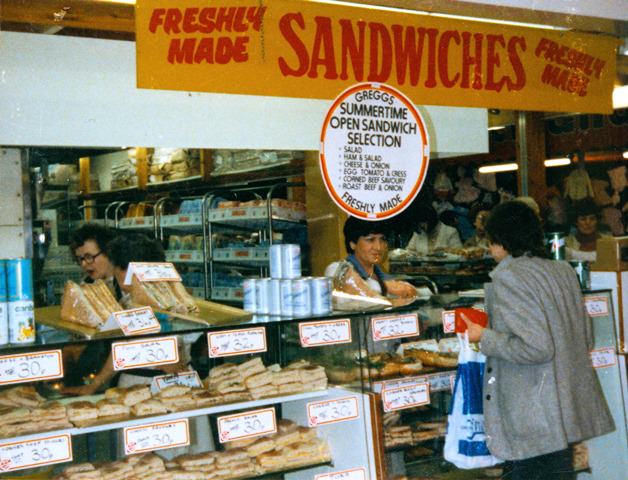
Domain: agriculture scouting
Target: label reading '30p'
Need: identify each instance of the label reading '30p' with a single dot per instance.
(35, 453)
(145, 353)
(31, 367)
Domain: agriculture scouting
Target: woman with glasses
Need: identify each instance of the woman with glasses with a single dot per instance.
(366, 244)
(88, 244)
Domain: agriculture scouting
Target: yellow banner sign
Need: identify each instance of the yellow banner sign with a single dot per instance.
(306, 49)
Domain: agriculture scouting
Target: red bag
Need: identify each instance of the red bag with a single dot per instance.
(473, 314)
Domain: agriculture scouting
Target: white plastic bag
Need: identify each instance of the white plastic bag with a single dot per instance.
(465, 443)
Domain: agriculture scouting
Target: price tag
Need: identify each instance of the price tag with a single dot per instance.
(440, 381)
(406, 397)
(152, 272)
(449, 321)
(403, 382)
(353, 474)
(35, 453)
(246, 425)
(186, 379)
(314, 334)
(603, 357)
(156, 436)
(236, 342)
(332, 411)
(596, 306)
(137, 321)
(144, 353)
(31, 367)
(397, 326)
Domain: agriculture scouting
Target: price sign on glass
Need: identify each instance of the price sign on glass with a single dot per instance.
(156, 436)
(603, 357)
(405, 397)
(137, 321)
(596, 306)
(186, 379)
(352, 474)
(449, 321)
(152, 272)
(35, 453)
(246, 425)
(31, 367)
(397, 326)
(236, 342)
(144, 353)
(314, 334)
(332, 411)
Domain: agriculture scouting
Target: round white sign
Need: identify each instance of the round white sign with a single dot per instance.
(374, 151)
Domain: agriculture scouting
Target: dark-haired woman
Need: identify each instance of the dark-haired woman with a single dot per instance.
(541, 394)
(366, 245)
(432, 234)
(582, 244)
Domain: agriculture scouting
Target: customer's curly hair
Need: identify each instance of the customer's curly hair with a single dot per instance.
(516, 227)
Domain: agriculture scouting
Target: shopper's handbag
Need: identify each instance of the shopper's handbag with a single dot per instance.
(465, 443)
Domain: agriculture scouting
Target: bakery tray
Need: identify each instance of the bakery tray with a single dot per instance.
(138, 421)
(212, 313)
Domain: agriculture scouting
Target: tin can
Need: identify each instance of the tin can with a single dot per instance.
(4, 304)
(262, 289)
(290, 261)
(286, 298)
(249, 295)
(320, 295)
(274, 295)
(584, 274)
(301, 302)
(274, 257)
(20, 296)
(556, 245)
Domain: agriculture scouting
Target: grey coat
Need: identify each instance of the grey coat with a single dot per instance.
(540, 390)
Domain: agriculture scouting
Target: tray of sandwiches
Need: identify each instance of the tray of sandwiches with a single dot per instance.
(23, 411)
(86, 308)
(292, 448)
(401, 432)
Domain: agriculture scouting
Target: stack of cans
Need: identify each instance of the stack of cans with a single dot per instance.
(287, 293)
(17, 315)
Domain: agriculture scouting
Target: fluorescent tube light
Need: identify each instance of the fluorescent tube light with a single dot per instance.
(557, 162)
(620, 97)
(625, 154)
(497, 127)
(501, 167)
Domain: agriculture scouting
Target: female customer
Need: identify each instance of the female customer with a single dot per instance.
(366, 245)
(582, 244)
(540, 391)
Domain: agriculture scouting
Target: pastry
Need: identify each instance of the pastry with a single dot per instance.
(173, 391)
(262, 445)
(251, 367)
(259, 379)
(148, 407)
(111, 408)
(81, 411)
(135, 394)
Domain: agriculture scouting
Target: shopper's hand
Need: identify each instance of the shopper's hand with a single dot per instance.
(474, 330)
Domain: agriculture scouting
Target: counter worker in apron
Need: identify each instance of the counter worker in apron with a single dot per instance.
(88, 245)
(582, 245)
(541, 393)
(366, 244)
(432, 234)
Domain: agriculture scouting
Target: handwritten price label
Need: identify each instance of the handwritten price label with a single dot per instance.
(314, 334)
(35, 453)
(236, 342)
(449, 321)
(603, 357)
(137, 321)
(406, 397)
(31, 367)
(403, 382)
(247, 425)
(144, 353)
(152, 272)
(332, 411)
(353, 474)
(156, 436)
(398, 326)
(186, 379)
(596, 306)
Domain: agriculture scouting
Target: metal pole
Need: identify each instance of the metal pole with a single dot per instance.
(523, 153)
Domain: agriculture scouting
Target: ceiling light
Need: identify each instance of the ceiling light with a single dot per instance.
(625, 154)
(557, 162)
(496, 127)
(501, 167)
(620, 97)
